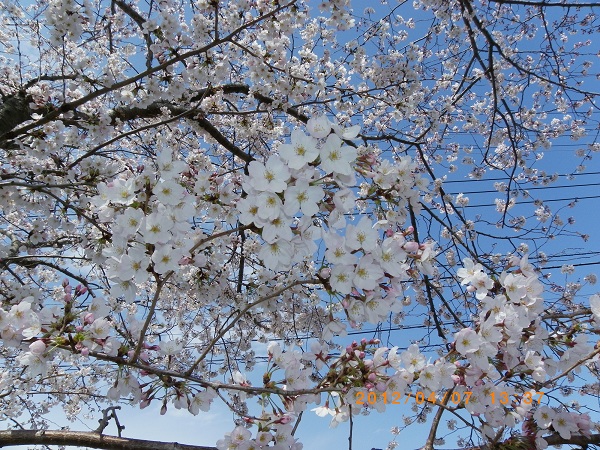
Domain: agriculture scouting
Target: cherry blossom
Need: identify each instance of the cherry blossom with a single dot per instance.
(302, 150)
(270, 177)
(335, 157)
(319, 127)
(206, 203)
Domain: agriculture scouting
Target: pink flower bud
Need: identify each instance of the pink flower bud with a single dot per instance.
(381, 386)
(411, 246)
(68, 298)
(163, 409)
(372, 376)
(65, 283)
(369, 386)
(185, 261)
(409, 230)
(80, 290)
(88, 318)
(85, 351)
(37, 348)
(325, 273)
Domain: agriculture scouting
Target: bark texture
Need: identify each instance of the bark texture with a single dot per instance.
(87, 439)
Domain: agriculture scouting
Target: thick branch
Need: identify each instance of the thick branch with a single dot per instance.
(87, 439)
(73, 105)
(13, 111)
(556, 439)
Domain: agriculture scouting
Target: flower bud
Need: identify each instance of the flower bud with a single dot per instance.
(325, 273)
(38, 347)
(80, 290)
(411, 246)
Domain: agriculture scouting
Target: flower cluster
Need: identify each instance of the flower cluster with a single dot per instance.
(289, 186)
(150, 213)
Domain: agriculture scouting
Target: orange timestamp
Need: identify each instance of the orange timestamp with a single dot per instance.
(399, 398)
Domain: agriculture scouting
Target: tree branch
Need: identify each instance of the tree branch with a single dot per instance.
(579, 439)
(72, 105)
(14, 111)
(10, 438)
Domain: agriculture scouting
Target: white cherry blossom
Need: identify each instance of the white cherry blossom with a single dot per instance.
(301, 151)
(270, 177)
(361, 236)
(335, 157)
(319, 127)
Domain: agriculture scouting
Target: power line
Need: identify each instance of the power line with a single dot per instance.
(524, 181)
(524, 202)
(534, 188)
